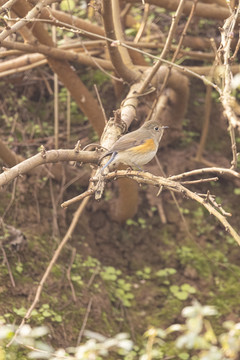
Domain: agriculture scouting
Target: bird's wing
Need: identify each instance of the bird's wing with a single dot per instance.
(125, 143)
(122, 144)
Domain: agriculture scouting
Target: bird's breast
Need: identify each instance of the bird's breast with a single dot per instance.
(148, 146)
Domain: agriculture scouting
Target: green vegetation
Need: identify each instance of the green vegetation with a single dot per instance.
(193, 339)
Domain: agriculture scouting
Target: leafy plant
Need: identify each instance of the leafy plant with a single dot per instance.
(144, 274)
(182, 292)
(119, 288)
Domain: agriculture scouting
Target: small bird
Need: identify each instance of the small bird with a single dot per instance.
(136, 148)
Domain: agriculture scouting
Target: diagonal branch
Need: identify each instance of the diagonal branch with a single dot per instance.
(150, 179)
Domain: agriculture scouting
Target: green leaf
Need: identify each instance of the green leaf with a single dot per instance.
(181, 295)
(190, 289)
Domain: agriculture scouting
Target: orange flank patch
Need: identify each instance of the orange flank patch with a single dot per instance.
(148, 145)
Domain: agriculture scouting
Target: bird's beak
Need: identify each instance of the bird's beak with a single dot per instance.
(165, 127)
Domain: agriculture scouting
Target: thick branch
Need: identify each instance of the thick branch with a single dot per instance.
(58, 16)
(66, 74)
(211, 11)
(122, 70)
(51, 156)
(119, 33)
(58, 54)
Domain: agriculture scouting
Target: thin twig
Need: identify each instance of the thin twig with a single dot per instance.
(198, 181)
(50, 266)
(159, 181)
(96, 271)
(236, 48)
(74, 29)
(12, 198)
(166, 48)
(68, 116)
(176, 52)
(207, 113)
(143, 24)
(215, 170)
(8, 265)
(175, 201)
(55, 229)
(69, 274)
(77, 198)
(218, 206)
(85, 321)
(161, 211)
(56, 91)
(100, 103)
(225, 48)
(32, 14)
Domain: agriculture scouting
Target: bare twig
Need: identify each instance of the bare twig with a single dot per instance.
(12, 198)
(225, 48)
(176, 52)
(8, 265)
(143, 23)
(198, 73)
(33, 13)
(56, 90)
(55, 229)
(192, 182)
(85, 321)
(236, 49)
(168, 71)
(167, 46)
(161, 212)
(68, 116)
(50, 266)
(100, 103)
(175, 201)
(208, 102)
(150, 179)
(96, 271)
(69, 274)
(212, 170)
(218, 206)
(78, 198)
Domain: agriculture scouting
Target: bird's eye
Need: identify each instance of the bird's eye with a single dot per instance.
(156, 128)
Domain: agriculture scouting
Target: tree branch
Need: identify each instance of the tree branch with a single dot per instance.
(45, 157)
(58, 54)
(33, 13)
(122, 70)
(150, 179)
(211, 11)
